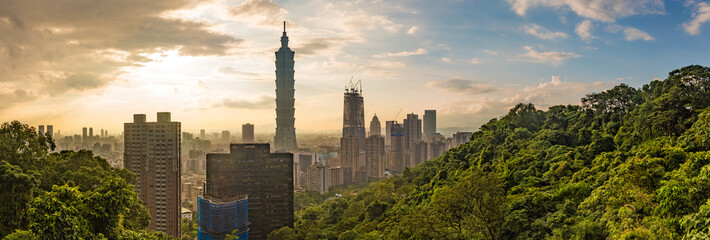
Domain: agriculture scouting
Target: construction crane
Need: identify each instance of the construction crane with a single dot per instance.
(354, 87)
(395, 117)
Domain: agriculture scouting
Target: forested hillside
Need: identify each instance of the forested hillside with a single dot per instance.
(67, 195)
(626, 164)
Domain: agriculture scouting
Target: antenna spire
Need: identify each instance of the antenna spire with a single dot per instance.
(284, 26)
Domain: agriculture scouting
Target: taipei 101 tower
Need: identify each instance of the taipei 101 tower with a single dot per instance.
(285, 139)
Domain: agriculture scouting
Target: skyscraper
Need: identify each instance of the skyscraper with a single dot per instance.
(375, 127)
(388, 132)
(375, 156)
(267, 178)
(91, 133)
(226, 137)
(152, 152)
(248, 133)
(40, 129)
(413, 130)
(397, 159)
(350, 154)
(84, 135)
(50, 130)
(354, 114)
(429, 123)
(202, 134)
(285, 139)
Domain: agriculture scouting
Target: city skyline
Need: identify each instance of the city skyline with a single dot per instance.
(470, 60)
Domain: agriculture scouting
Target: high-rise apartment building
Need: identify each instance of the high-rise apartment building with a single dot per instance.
(413, 130)
(375, 127)
(316, 179)
(375, 156)
(226, 137)
(248, 133)
(40, 129)
(267, 178)
(285, 139)
(461, 138)
(91, 134)
(397, 156)
(84, 135)
(429, 123)
(350, 154)
(418, 154)
(354, 114)
(152, 153)
(437, 145)
(50, 130)
(388, 132)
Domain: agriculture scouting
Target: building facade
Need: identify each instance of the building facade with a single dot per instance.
(248, 133)
(375, 157)
(316, 179)
(397, 156)
(152, 153)
(350, 154)
(429, 123)
(266, 178)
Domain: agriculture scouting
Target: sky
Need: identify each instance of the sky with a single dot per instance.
(211, 62)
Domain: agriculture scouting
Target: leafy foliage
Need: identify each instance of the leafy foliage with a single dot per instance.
(626, 164)
(67, 195)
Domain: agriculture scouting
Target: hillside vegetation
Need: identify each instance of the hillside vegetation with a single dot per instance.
(66, 195)
(627, 164)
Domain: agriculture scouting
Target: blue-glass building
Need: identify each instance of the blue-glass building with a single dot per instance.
(219, 217)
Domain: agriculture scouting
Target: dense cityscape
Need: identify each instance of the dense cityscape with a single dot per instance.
(217, 176)
(486, 120)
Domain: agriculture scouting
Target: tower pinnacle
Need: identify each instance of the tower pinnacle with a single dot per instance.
(284, 38)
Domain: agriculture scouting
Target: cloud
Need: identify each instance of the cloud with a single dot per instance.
(701, 15)
(314, 46)
(263, 102)
(263, 12)
(413, 30)
(554, 58)
(419, 51)
(633, 34)
(11, 98)
(476, 61)
(489, 52)
(464, 86)
(584, 30)
(542, 33)
(81, 45)
(230, 70)
(478, 109)
(445, 59)
(630, 33)
(602, 10)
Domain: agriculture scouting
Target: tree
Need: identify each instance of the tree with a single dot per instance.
(17, 191)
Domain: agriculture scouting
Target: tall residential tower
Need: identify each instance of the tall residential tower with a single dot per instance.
(285, 139)
(152, 152)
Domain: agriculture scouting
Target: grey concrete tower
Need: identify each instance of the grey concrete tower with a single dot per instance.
(285, 139)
